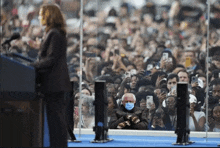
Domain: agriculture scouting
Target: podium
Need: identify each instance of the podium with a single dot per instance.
(21, 108)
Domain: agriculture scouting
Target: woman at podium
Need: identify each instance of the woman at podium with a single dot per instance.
(53, 72)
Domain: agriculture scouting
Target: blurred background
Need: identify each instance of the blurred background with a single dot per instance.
(127, 38)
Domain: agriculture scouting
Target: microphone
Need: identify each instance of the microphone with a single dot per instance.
(13, 37)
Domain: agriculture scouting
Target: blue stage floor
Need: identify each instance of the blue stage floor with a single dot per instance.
(132, 138)
(142, 141)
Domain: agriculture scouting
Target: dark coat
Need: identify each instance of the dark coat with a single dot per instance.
(51, 67)
(119, 114)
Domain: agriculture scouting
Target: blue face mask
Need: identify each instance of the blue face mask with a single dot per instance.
(129, 106)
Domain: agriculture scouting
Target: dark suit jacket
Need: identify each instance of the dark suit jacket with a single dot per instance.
(51, 66)
(119, 114)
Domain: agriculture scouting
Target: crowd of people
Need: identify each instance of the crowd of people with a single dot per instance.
(142, 56)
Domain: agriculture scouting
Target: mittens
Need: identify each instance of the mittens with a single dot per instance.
(123, 124)
(135, 119)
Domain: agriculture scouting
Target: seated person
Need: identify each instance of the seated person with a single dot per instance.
(87, 120)
(147, 100)
(214, 120)
(197, 118)
(160, 120)
(112, 104)
(171, 110)
(128, 116)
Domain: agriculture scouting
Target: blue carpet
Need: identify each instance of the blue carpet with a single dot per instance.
(142, 141)
(133, 141)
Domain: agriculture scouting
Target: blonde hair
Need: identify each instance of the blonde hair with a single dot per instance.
(54, 18)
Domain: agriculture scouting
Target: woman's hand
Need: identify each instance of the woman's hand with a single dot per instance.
(195, 84)
(163, 64)
(161, 97)
(152, 107)
(191, 111)
(159, 78)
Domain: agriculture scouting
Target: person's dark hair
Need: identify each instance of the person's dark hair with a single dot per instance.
(143, 95)
(85, 87)
(117, 77)
(144, 82)
(200, 95)
(112, 12)
(54, 18)
(155, 76)
(171, 76)
(180, 65)
(114, 101)
(211, 114)
(90, 13)
(126, 86)
(201, 75)
(107, 70)
(132, 65)
(125, 5)
(215, 82)
(215, 73)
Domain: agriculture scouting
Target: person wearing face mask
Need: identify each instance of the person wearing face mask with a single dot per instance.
(129, 116)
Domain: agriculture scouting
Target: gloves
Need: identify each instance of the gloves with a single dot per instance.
(132, 118)
(123, 124)
(127, 117)
(135, 119)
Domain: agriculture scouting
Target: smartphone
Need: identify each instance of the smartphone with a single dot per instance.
(129, 40)
(149, 67)
(149, 101)
(194, 79)
(188, 62)
(133, 71)
(76, 111)
(90, 54)
(165, 56)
